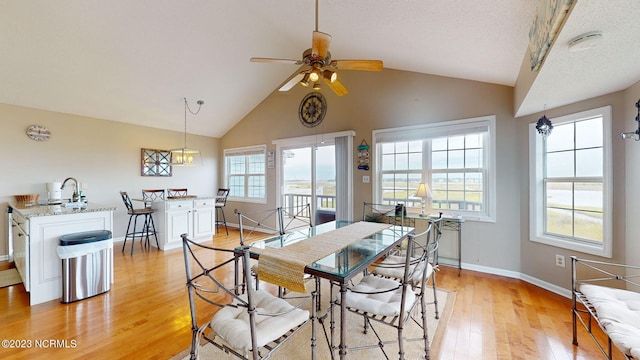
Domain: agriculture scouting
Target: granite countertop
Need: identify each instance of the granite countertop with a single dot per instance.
(178, 198)
(29, 211)
(189, 197)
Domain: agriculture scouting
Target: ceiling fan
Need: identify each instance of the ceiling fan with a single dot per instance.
(318, 65)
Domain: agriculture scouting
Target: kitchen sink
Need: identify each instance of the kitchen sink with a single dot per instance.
(75, 205)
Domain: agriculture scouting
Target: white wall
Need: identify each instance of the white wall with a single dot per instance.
(103, 154)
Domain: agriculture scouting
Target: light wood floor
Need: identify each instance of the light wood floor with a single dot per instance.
(146, 316)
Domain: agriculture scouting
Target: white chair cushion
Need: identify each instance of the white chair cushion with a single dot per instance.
(368, 246)
(386, 304)
(393, 266)
(232, 324)
(619, 312)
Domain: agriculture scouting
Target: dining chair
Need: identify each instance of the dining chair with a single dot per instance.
(221, 202)
(148, 226)
(380, 213)
(393, 302)
(257, 225)
(295, 217)
(176, 192)
(392, 266)
(250, 324)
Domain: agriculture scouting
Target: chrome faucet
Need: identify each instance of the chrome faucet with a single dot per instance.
(75, 197)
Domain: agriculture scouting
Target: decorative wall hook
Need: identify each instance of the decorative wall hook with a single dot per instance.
(635, 135)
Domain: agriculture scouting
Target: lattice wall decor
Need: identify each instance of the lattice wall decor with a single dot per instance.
(156, 162)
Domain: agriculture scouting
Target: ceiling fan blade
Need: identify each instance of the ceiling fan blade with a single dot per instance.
(277, 61)
(292, 81)
(337, 87)
(366, 65)
(320, 44)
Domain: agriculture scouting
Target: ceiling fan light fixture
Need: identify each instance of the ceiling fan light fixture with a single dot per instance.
(314, 75)
(305, 80)
(316, 86)
(330, 75)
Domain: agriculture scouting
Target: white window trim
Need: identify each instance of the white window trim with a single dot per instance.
(232, 151)
(536, 187)
(442, 127)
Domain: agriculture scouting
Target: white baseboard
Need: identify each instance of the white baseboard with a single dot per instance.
(517, 275)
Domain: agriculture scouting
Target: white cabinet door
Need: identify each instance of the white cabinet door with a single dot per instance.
(20, 254)
(203, 224)
(178, 223)
(45, 270)
(191, 217)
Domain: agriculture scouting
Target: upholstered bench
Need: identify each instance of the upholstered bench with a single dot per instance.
(615, 310)
(618, 311)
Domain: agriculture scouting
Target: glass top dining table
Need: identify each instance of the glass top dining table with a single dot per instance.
(348, 261)
(344, 264)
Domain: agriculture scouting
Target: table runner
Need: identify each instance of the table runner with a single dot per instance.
(285, 266)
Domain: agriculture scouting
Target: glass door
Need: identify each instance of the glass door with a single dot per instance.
(309, 177)
(325, 184)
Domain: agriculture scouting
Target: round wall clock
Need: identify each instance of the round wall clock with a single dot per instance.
(38, 133)
(312, 109)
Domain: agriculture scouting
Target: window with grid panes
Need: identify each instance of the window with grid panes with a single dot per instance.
(450, 157)
(245, 173)
(570, 195)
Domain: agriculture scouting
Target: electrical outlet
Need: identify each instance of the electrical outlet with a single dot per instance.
(560, 260)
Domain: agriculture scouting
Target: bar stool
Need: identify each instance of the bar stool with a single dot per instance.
(152, 195)
(221, 201)
(148, 227)
(176, 192)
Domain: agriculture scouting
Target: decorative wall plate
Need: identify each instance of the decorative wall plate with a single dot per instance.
(38, 133)
(312, 109)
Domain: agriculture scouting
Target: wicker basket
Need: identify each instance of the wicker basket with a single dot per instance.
(27, 198)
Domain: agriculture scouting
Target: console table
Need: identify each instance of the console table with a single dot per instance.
(449, 222)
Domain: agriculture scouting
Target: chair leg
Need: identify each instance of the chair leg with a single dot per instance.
(435, 295)
(133, 237)
(425, 330)
(400, 342)
(145, 232)
(224, 221)
(126, 234)
(152, 225)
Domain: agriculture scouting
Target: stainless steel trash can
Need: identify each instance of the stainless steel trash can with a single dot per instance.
(87, 262)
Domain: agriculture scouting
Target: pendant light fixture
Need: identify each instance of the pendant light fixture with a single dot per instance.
(544, 126)
(185, 156)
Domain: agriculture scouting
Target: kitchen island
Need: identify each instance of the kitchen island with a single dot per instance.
(191, 215)
(36, 230)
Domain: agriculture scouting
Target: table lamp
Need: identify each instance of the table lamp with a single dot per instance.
(423, 193)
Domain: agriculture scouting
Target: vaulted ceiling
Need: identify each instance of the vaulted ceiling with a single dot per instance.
(134, 61)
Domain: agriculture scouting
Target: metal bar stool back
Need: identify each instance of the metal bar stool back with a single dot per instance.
(171, 193)
(221, 202)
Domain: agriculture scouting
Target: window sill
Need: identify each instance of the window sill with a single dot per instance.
(598, 250)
